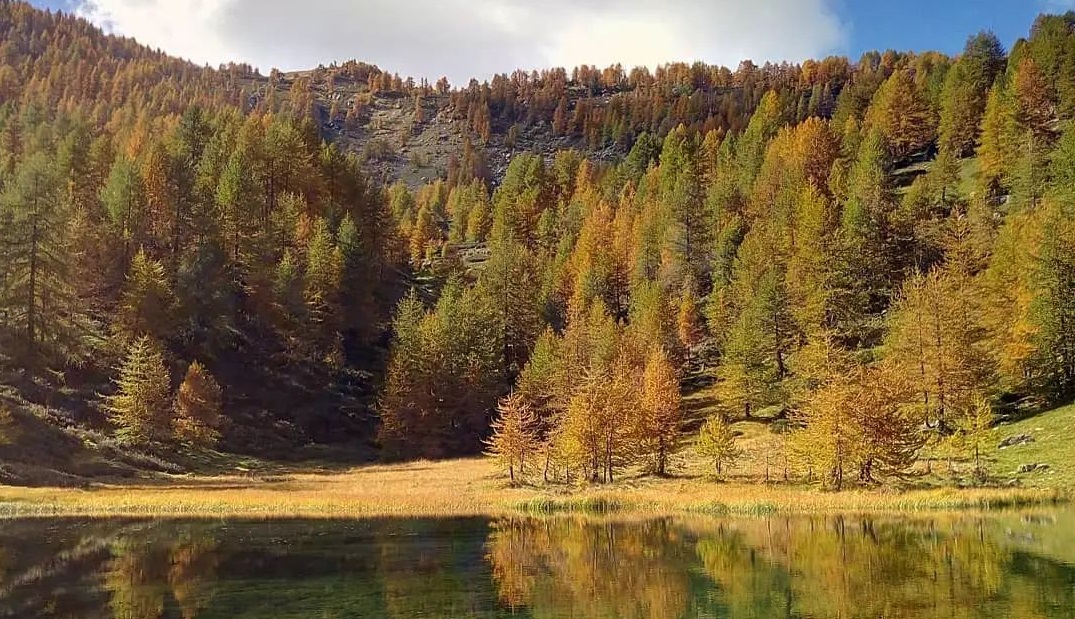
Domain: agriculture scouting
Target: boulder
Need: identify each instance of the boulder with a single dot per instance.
(1018, 439)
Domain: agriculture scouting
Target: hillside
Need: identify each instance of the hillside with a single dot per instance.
(412, 132)
(868, 261)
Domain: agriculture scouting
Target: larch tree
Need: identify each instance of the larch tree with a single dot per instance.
(891, 429)
(976, 431)
(716, 443)
(1035, 103)
(998, 150)
(661, 413)
(514, 435)
(198, 408)
(146, 304)
(542, 383)
(829, 442)
(1009, 287)
(902, 115)
(599, 433)
(936, 339)
(690, 323)
(140, 408)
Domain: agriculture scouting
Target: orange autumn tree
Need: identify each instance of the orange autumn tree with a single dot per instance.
(198, 408)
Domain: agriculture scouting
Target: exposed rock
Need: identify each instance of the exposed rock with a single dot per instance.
(1018, 439)
(1033, 468)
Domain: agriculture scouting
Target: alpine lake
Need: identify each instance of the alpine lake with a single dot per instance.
(1003, 564)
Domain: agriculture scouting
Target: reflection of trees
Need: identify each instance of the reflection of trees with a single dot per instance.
(135, 580)
(848, 567)
(152, 567)
(193, 571)
(842, 567)
(825, 567)
(747, 584)
(573, 568)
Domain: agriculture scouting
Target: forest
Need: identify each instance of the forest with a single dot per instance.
(876, 258)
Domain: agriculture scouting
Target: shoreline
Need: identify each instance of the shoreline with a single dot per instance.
(472, 488)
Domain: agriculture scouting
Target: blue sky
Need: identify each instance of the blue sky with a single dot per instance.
(942, 25)
(464, 38)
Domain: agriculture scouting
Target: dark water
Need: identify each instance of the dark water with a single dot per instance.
(1014, 565)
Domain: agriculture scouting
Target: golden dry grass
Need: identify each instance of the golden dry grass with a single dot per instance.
(470, 488)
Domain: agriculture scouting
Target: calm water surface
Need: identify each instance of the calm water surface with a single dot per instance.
(1015, 565)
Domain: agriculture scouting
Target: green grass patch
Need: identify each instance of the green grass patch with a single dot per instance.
(1053, 445)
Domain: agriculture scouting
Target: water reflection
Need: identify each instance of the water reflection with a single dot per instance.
(837, 567)
(577, 568)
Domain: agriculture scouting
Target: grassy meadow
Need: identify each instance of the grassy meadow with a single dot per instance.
(229, 486)
(473, 487)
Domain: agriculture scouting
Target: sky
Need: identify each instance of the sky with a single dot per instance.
(477, 38)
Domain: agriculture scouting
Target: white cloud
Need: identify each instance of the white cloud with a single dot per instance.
(464, 38)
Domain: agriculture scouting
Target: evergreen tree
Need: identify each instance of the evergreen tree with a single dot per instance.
(140, 407)
(755, 363)
(39, 310)
(864, 264)
(966, 89)
(1053, 309)
(124, 199)
(322, 293)
(147, 299)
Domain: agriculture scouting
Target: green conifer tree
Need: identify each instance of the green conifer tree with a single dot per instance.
(140, 408)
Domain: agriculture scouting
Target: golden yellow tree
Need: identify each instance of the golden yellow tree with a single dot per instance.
(936, 340)
(514, 436)
(859, 423)
(829, 441)
(974, 433)
(716, 442)
(598, 435)
(661, 410)
(903, 115)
